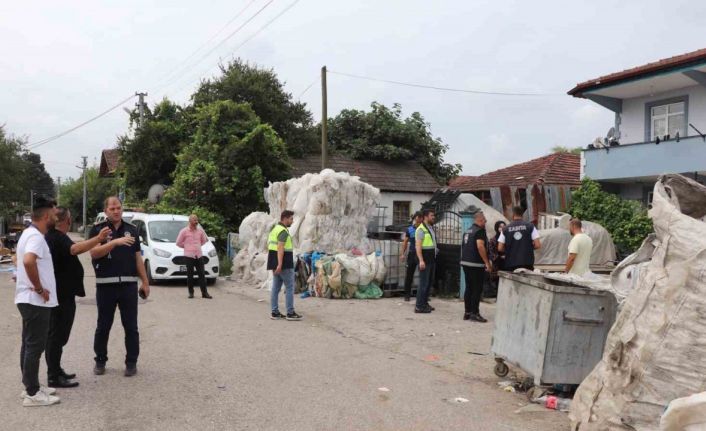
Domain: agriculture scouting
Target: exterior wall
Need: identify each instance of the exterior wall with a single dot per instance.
(387, 198)
(632, 119)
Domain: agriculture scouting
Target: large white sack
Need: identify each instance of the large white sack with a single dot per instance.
(685, 414)
(655, 351)
(555, 245)
(492, 215)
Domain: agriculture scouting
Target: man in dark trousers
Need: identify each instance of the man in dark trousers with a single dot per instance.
(280, 260)
(475, 264)
(119, 266)
(68, 273)
(425, 244)
(191, 239)
(409, 253)
(519, 240)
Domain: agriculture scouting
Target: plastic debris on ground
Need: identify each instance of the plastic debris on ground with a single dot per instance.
(654, 351)
(384, 389)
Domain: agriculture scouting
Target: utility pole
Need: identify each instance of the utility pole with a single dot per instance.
(324, 120)
(58, 189)
(85, 197)
(141, 107)
(31, 201)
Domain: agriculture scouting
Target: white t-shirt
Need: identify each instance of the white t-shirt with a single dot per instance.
(535, 235)
(581, 245)
(32, 241)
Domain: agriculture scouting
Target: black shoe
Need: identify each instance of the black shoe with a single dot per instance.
(99, 369)
(432, 308)
(422, 310)
(191, 295)
(293, 316)
(130, 370)
(67, 376)
(466, 316)
(206, 296)
(475, 317)
(276, 315)
(61, 382)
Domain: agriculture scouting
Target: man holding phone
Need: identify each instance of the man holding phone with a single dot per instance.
(119, 266)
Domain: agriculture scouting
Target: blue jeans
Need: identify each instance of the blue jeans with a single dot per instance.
(286, 277)
(426, 282)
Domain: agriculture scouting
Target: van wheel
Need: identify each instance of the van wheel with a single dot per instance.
(148, 270)
(211, 281)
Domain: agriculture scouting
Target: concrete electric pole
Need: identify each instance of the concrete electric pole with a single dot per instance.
(85, 197)
(141, 107)
(58, 189)
(324, 120)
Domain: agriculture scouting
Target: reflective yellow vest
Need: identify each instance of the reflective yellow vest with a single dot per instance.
(272, 241)
(428, 241)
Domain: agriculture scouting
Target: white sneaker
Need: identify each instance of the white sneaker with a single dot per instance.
(45, 389)
(40, 399)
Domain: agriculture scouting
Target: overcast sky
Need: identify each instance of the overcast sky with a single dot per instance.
(64, 62)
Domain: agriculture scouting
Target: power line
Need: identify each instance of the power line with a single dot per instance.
(308, 87)
(258, 31)
(218, 45)
(432, 87)
(211, 39)
(38, 144)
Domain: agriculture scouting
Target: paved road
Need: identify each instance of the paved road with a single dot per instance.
(223, 365)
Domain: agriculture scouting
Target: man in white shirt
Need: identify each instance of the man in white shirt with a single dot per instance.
(580, 249)
(35, 296)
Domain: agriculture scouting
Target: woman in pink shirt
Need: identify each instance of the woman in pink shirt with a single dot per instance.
(191, 238)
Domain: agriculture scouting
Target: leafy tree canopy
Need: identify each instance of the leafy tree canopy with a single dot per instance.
(383, 134)
(71, 194)
(561, 149)
(626, 220)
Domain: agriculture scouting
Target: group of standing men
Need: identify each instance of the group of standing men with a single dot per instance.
(49, 277)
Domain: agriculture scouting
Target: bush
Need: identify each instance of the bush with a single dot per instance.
(626, 220)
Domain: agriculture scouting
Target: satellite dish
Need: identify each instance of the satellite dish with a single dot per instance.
(611, 133)
(155, 193)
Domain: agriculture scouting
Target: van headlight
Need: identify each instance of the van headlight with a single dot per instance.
(161, 253)
(212, 253)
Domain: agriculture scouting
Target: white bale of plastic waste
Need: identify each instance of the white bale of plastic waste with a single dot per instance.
(555, 244)
(685, 414)
(654, 352)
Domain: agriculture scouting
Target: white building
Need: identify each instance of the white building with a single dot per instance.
(660, 119)
(404, 185)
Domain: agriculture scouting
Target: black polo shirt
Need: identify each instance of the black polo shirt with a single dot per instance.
(120, 262)
(68, 270)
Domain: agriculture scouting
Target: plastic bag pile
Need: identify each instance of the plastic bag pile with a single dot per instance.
(331, 214)
(654, 352)
(555, 244)
(343, 276)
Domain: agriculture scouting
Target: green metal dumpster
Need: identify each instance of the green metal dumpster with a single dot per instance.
(553, 330)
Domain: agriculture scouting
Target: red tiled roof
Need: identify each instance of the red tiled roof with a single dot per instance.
(649, 68)
(109, 162)
(398, 176)
(557, 169)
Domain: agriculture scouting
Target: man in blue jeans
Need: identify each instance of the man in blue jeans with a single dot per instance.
(280, 260)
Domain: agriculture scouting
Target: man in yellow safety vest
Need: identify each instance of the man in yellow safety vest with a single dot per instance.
(280, 260)
(425, 243)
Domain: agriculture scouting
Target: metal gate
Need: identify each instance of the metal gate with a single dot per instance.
(449, 234)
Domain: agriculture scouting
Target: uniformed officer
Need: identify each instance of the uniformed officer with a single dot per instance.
(280, 260)
(425, 244)
(119, 266)
(519, 240)
(475, 264)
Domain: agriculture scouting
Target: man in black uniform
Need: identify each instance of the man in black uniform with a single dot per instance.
(519, 240)
(119, 266)
(68, 273)
(475, 264)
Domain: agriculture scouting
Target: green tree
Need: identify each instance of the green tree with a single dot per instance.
(626, 220)
(36, 176)
(245, 83)
(71, 194)
(567, 150)
(383, 134)
(231, 160)
(149, 157)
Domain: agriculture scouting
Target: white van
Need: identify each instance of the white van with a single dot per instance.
(163, 259)
(101, 217)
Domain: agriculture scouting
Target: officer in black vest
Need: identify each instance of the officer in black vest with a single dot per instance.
(475, 264)
(119, 266)
(519, 240)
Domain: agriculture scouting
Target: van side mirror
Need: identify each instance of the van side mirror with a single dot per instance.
(212, 239)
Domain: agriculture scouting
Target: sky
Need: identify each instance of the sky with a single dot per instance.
(65, 62)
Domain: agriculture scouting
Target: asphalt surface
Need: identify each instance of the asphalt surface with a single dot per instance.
(222, 364)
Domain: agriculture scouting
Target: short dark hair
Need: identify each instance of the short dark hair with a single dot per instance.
(576, 222)
(105, 202)
(417, 214)
(428, 211)
(286, 214)
(41, 205)
(518, 211)
(62, 214)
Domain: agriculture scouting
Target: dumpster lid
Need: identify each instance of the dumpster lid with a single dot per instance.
(552, 284)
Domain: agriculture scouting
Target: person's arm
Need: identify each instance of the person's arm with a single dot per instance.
(501, 242)
(30, 263)
(204, 238)
(480, 243)
(180, 238)
(142, 274)
(535, 239)
(83, 246)
(103, 250)
(280, 257)
(570, 262)
(418, 247)
(405, 243)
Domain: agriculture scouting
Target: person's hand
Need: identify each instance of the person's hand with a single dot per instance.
(145, 288)
(278, 270)
(489, 267)
(44, 294)
(104, 234)
(126, 240)
(422, 265)
(403, 257)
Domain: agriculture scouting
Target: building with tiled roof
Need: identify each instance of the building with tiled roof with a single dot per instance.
(110, 159)
(660, 125)
(539, 185)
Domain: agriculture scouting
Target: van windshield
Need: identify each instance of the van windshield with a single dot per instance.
(166, 230)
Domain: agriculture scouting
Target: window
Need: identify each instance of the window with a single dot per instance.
(484, 195)
(401, 212)
(668, 119)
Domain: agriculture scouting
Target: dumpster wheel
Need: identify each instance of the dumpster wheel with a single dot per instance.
(501, 369)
